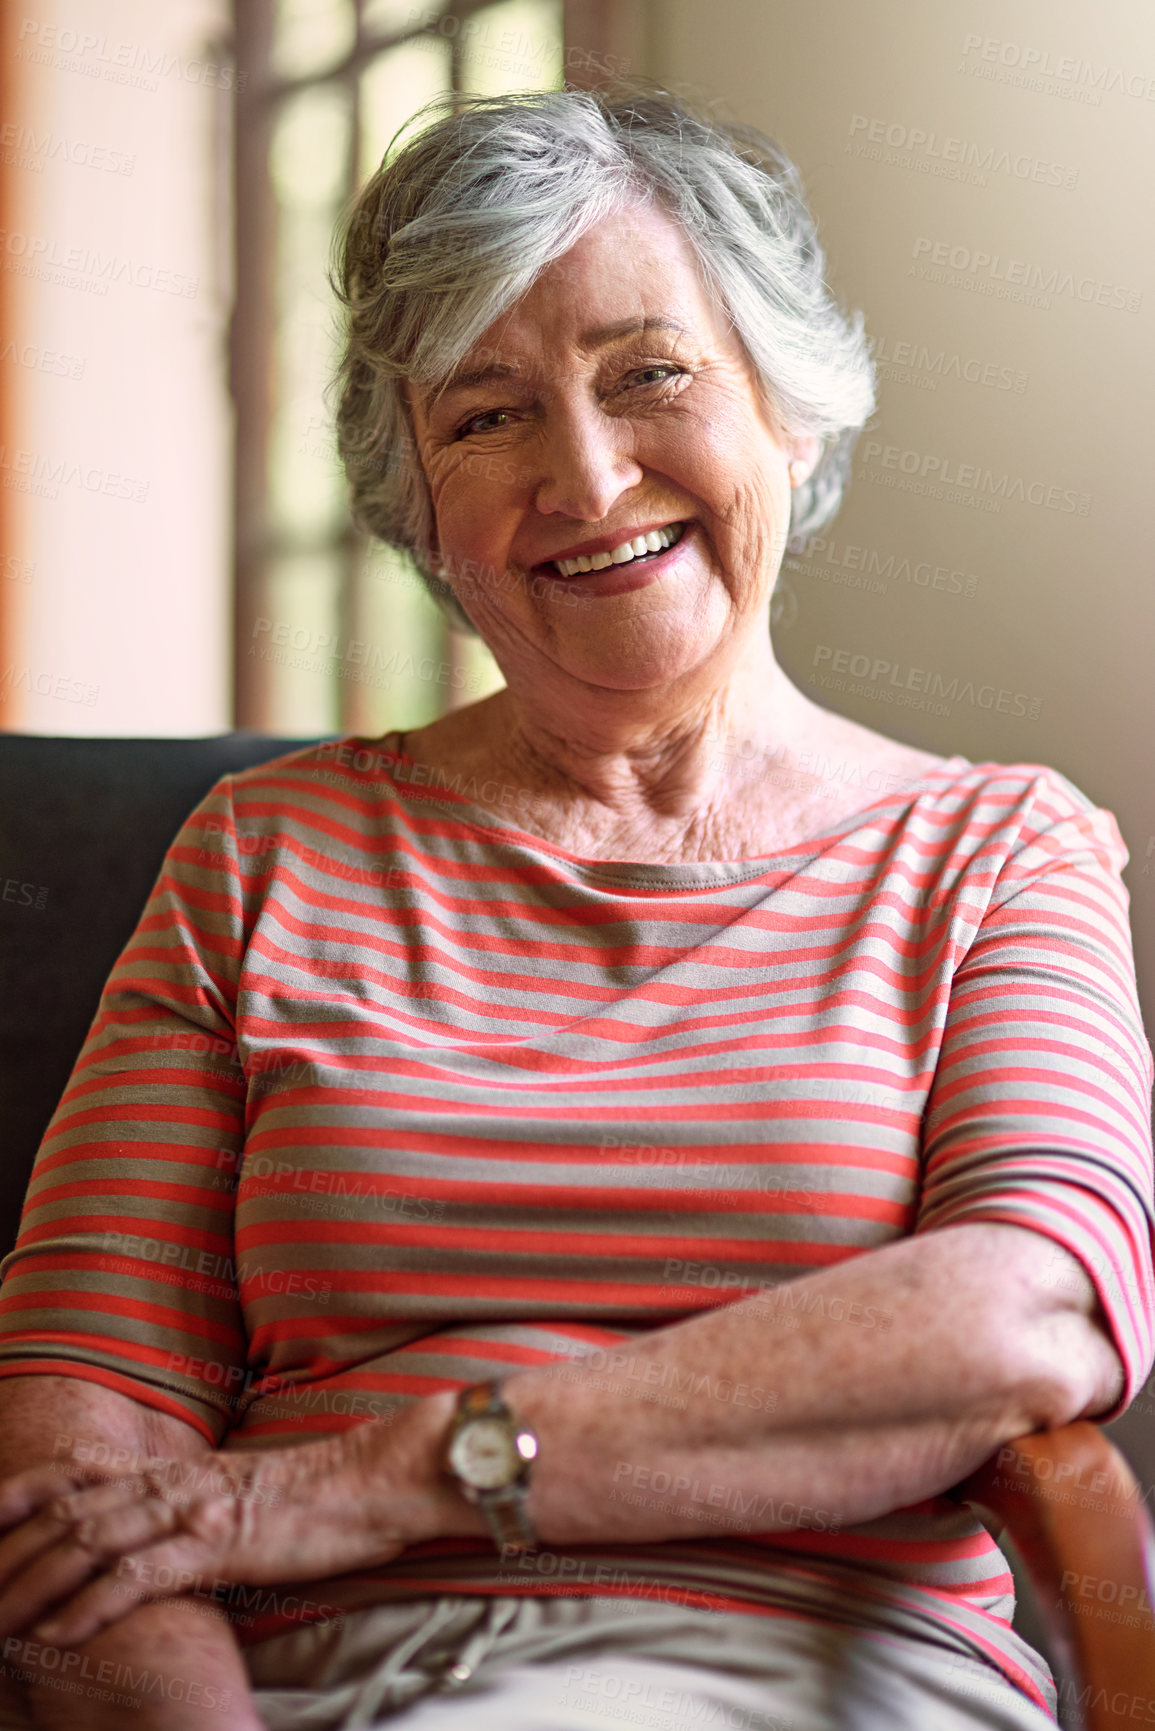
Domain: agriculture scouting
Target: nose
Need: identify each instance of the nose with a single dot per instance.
(586, 463)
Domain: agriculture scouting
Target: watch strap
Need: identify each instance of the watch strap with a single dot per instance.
(507, 1515)
(482, 1400)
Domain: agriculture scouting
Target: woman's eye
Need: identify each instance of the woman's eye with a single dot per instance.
(655, 375)
(496, 419)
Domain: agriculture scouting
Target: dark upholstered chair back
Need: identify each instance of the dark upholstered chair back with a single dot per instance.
(84, 824)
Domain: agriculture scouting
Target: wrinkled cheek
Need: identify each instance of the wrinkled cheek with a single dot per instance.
(750, 547)
(761, 516)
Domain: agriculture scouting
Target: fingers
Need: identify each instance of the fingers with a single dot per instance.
(73, 1563)
(39, 1533)
(23, 1493)
(54, 1517)
(190, 1560)
(57, 1550)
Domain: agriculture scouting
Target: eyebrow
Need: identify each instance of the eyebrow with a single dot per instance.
(629, 327)
(595, 339)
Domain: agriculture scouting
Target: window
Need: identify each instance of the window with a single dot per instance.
(334, 633)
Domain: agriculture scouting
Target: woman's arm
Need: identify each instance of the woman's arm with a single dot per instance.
(822, 1402)
(179, 1659)
(819, 1403)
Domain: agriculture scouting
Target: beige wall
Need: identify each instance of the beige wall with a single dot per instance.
(119, 615)
(1050, 177)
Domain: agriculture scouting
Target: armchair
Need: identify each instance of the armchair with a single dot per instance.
(85, 824)
(1073, 1510)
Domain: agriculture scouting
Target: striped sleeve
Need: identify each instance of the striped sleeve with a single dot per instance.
(123, 1270)
(1040, 1110)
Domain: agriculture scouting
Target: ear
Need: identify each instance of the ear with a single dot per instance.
(803, 453)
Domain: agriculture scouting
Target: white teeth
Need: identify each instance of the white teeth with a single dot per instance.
(653, 541)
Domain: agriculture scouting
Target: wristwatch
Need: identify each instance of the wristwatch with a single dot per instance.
(489, 1455)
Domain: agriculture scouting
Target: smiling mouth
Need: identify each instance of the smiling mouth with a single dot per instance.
(639, 547)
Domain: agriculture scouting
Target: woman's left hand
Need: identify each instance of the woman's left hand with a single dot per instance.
(81, 1549)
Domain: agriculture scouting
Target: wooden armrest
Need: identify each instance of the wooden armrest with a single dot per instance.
(1076, 1516)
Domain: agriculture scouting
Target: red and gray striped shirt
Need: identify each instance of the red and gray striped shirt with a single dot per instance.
(386, 1095)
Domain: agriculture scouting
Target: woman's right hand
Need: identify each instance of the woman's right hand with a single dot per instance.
(175, 1642)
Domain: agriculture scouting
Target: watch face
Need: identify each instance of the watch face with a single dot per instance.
(483, 1453)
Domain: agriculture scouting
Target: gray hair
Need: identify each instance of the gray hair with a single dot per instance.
(456, 226)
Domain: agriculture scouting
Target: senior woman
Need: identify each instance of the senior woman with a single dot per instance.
(544, 1215)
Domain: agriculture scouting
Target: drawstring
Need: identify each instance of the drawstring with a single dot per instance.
(392, 1685)
(499, 1615)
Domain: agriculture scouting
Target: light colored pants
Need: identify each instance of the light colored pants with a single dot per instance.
(557, 1664)
(542, 1664)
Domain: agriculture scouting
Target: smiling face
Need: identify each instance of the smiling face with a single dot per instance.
(611, 499)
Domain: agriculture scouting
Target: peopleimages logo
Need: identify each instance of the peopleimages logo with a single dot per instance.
(933, 259)
(39, 360)
(46, 259)
(868, 568)
(1034, 65)
(132, 63)
(905, 357)
(44, 475)
(967, 478)
(892, 141)
(24, 147)
(913, 687)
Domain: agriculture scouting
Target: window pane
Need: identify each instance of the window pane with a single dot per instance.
(515, 45)
(389, 17)
(394, 86)
(309, 155)
(306, 481)
(480, 673)
(309, 164)
(311, 35)
(405, 632)
(298, 637)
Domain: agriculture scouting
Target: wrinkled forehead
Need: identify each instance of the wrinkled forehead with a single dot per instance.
(635, 268)
(489, 362)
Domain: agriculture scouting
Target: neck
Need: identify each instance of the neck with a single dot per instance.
(632, 753)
